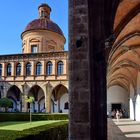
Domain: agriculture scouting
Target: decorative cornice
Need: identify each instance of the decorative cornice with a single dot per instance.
(34, 56)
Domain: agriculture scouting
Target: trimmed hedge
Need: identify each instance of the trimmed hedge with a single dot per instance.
(54, 131)
(35, 116)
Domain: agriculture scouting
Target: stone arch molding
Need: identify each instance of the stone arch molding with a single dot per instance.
(14, 94)
(59, 97)
(39, 98)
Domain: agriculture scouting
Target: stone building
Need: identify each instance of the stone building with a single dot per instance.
(40, 71)
(104, 61)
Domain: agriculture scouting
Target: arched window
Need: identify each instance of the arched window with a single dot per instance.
(28, 68)
(49, 68)
(66, 105)
(9, 70)
(38, 68)
(60, 68)
(18, 69)
(0, 69)
(34, 48)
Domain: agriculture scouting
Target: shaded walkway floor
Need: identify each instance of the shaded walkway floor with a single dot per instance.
(125, 129)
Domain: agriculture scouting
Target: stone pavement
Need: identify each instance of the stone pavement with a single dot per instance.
(125, 129)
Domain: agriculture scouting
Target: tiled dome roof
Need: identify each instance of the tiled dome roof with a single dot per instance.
(45, 24)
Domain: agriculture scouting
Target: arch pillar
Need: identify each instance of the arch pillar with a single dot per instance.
(5, 89)
(48, 92)
(23, 102)
(58, 105)
(48, 104)
(134, 105)
(18, 105)
(36, 106)
(87, 67)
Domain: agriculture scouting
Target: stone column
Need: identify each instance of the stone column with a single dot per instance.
(101, 14)
(18, 105)
(48, 99)
(33, 68)
(56, 106)
(48, 104)
(3, 69)
(24, 93)
(36, 106)
(90, 23)
(59, 105)
(13, 69)
(134, 104)
(98, 111)
(79, 89)
(43, 72)
(23, 68)
(24, 104)
(53, 67)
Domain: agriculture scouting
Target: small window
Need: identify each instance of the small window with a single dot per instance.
(66, 106)
(38, 68)
(18, 69)
(60, 68)
(34, 48)
(43, 14)
(9, 70)
(49, 68)
(22, 50)
(0, 69)
(28, 68)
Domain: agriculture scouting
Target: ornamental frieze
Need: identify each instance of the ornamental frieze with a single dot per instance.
(30, 57)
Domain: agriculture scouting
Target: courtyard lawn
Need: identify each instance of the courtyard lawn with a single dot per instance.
(20, 126)
(22, 129)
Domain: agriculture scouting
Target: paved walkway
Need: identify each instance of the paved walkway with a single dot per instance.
(125, 129)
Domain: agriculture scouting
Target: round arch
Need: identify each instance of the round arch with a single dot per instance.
(39, 99)
(59, 99)
(14, 94)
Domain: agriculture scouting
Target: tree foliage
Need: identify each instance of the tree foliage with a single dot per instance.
(29, 99)
(6, 103)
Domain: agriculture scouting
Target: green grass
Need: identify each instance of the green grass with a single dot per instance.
(15, 130)
(19, 126)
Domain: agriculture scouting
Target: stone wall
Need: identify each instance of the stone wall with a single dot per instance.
(79, 71)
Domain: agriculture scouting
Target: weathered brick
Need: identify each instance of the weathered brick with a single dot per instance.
(78, 71)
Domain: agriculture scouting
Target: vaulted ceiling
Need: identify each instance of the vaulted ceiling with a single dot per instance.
(124, 58)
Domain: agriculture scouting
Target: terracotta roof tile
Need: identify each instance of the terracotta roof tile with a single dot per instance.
(45, 24)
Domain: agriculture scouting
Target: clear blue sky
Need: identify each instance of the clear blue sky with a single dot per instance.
(16, 14)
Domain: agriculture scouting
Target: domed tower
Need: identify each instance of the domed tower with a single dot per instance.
(42, 34)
